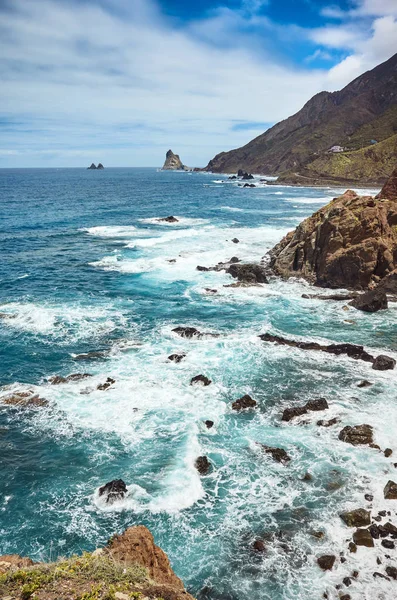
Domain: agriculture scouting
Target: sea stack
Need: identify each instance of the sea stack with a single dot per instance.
(173, 162)
(91, 167)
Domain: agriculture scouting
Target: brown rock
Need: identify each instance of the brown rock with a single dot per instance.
(348, 243)
(390, 490)
(243, 403)
(278, 454)
(357, 435)
(249, 273)
(259, 546)
(371, 301)
(136, 546)
(14, 561)
(388, 452)
(363, 537)
(176, 357)
(202, 465)
(104, 386)
(200, 380)
(326, 562)
(25, 400)
(389, 190)
(383, 363)
(364, 384)
(356, 518)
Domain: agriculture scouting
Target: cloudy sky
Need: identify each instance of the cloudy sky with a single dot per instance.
(121, 81)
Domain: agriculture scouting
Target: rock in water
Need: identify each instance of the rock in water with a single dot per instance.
(363, 537)
(326, 562)
(100, 166)
(350, 243)
(357, 435)
(170, 219)
(244, 402)
(92, 167)
(390, 491)
(371, 301)
(248, 273)
(278, 454)
(356, 518)
(383, 363)
(200, 380)
(173, 162)
(202, 465)
(113, 490)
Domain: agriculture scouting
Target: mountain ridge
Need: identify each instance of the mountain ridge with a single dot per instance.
(368, 105)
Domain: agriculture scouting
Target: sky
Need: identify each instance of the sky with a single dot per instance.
(122, 81)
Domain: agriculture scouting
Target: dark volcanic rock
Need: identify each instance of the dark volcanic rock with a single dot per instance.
(362, 537)
(113, 490)
(383, 363)
(311, 405)
(364, 384)
(371, 301)
(356, 518)
(209, 424)
(259, 546)
(248, 273)
(176, 357)
(352, 350)
(392, 572)
(107, 384)
(100, 166)
(169, 219)
(192, 332)
(390, 490)
(58, 379)
(329, 423)
(244, 402)
(200, 380)
(202, 465)
(278, 454)
(357, 435)
(235, 241)
(388, 544)
(326, 562)
(388, 452)
(91, 167)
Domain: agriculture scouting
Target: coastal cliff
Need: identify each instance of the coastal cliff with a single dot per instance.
(130, 566)
(351, 242)
(343, 136)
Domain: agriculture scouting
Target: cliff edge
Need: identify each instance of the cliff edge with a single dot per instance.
(130, 566)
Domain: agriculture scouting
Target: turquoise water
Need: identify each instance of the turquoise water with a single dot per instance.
(84, 267)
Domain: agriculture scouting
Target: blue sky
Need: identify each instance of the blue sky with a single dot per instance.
(121, 81)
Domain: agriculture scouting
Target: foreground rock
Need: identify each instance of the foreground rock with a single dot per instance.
(358, 435)
(356, 518)
(350, 243)
(326, 562)
(371, 301)
(248, 273)
(352, 350)
(173, 162)
(363, 537)
(131, 563)
(113, 491)
(312, 405)
(390, 491)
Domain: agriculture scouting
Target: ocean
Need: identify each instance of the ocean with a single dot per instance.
(87, 267)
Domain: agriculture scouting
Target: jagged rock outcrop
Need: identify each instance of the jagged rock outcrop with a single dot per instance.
(350, 243)
(173, 162)
(389, 190)
(91, 167)
(131, 563)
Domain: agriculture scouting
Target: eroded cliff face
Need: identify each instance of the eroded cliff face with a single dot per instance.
(173, 162)
(130, 566)
(350, 243)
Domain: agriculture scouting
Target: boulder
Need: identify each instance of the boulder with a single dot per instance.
(200, 380)
(248, 273)
(113, 490)
(357, 435)
(311, 405)
(389, 284)
(390, 490)
(259, 546)
(349, 243)
(187, 332)
(202, 465)
(363, 537)
(364, 384)
(371, 301)
(278, 454)
(317, 404)
(243, 403)
(383, 363)
(209, 424)
(392, 572)
(326, 562)
(176, 357)
(249, 185)
(388, 544)
(104, 386)
(169, 219)
(235, 240)
(388, 452)
(356, 518)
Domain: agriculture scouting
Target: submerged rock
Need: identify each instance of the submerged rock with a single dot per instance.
(364, 384)
(177, 358)
(259, 546)
(278, 454)
(326, 562)
(202, 465)
(58, 379)
(235, 240)
(356, 518)
(169, 219)
(330, 423)
(200, 380)
(357, 435)
(94, 355)
(113, 490)
(311, 405)
(243, 403)
(25, 400)
(104, 386)
(390, 490)
(191, 332)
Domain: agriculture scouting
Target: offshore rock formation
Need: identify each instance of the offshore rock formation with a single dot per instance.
(350, 243)
(93, 167)
(131, 563)
(359, 121)
(173, 162)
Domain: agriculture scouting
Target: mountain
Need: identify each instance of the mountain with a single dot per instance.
(361, 118)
